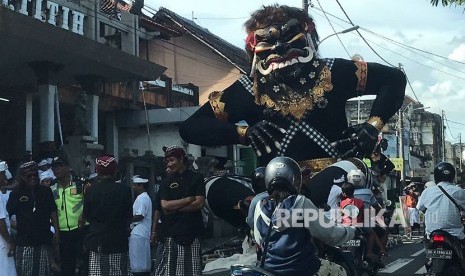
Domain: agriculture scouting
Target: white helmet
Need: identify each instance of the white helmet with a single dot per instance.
(357, 178)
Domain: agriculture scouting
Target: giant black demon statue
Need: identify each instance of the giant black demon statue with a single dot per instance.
(295, 104)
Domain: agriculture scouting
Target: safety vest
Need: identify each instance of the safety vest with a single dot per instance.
(69, 202)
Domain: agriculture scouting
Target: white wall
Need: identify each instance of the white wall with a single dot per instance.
(161, 135)
(217, 151)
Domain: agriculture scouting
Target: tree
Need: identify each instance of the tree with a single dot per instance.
(448, 2)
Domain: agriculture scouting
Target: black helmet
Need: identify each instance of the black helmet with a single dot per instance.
(258, 180)
(444, 172)
(283, 172)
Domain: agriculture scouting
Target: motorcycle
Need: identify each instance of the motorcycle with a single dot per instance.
(358, 249)
(444, 254)
(336, 254)
(330, 253)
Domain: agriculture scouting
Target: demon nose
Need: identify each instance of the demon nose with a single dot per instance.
(281, 48)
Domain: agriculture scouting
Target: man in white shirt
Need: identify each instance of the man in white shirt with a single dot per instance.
(334, 198)
(139, 241)
(7, 246)
(440, 211)
(5, 175)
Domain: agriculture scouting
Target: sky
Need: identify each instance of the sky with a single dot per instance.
(429, 42)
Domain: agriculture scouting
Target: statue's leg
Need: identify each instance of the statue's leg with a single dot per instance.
(318, 187)
(223, 194)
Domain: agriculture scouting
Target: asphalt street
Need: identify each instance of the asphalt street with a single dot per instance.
(407, 258)
(404, 259)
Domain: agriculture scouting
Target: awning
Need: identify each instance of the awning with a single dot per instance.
(25, 41)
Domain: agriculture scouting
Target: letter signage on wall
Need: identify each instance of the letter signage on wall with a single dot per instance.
(50, 12)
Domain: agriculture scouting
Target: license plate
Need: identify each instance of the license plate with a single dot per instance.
(438, 253)
(352, 243)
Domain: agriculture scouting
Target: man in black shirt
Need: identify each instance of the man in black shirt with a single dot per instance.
(34, 208)
(108, 209)
(182, 197)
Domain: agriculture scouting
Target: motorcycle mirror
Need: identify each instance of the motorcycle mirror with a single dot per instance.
(351, 211)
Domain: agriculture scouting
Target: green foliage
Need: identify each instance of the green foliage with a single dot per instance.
(448, 2)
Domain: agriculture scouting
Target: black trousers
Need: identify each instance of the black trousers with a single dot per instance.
(70, 250)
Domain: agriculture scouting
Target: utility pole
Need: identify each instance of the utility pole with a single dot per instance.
(305, 5)
(443, 137)
(401, 143)
(460, 154)
(401, 138)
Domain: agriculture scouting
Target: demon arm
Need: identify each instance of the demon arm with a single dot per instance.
(361, 78)
(388, 84)
(214, 124)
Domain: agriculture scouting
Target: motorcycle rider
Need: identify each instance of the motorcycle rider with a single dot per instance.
(358, 179)
(440, 211)
(287, 246)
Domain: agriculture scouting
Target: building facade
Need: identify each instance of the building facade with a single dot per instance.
(62, 75)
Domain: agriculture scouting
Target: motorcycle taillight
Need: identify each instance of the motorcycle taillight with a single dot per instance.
(438, 238)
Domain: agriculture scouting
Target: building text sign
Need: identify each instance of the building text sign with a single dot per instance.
(51, 12)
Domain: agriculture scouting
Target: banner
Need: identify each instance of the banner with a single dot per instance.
(391, 150)
(396, 161)
(398, 164)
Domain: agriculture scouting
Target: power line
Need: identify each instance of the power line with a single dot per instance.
(363, 38)
(405, 46)
(222, 18)
(455, 122)
(409, 84)
(334, 30)
(391, 40)
(448, 127)
(133, 31)
(416, 49)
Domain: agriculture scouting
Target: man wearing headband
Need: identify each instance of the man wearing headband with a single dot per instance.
(45, 165)
(34, 208)
(7, 246)
(108, 209)
(182, 196)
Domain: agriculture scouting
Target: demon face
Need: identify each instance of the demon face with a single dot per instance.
(281, 50)
(288, 77)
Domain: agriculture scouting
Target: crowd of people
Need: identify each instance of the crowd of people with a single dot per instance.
(54, 223)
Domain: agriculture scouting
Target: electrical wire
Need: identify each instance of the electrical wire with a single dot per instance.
(455, 122)
(334, 30)
(448, 127)
(389, 39)
(361, 36)
(413, 48)
(409, 84)
(367, 30)
(139, 32)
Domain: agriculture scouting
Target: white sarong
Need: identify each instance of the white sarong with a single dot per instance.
(414, 216)
(7, 264)
(139, 254)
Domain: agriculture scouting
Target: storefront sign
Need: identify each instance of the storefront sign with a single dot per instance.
(51, 12)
